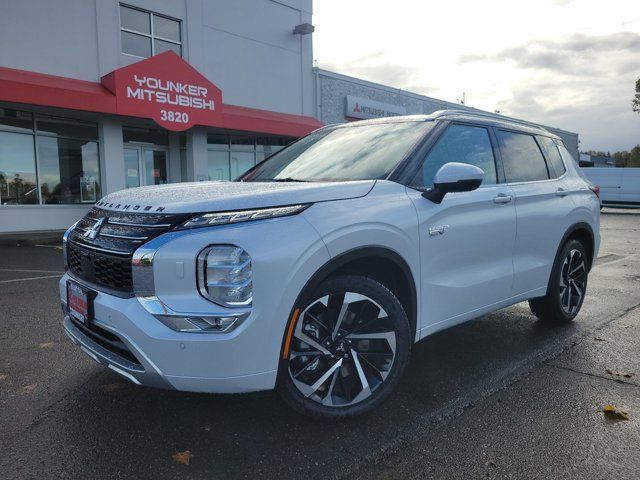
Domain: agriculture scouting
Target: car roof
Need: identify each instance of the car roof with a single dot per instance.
(460, 115)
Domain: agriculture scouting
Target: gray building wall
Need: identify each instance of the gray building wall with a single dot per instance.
(246, 47)
(332, 88)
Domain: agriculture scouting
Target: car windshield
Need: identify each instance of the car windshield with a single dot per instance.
(358, 152)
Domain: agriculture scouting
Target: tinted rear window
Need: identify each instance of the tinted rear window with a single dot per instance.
(553, 155)
(522, 158)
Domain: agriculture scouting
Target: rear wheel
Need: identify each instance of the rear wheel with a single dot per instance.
(567, 287)
(348, 349)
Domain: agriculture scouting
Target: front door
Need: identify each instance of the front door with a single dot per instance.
(466, 241)
(145, 166)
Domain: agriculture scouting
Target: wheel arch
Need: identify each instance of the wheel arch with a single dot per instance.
(380, 263)
(582, 232)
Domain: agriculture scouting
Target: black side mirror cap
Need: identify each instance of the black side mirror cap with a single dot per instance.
(439, 190)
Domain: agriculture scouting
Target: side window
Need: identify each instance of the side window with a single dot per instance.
(459, 143)
(522, 158)
(554, 157)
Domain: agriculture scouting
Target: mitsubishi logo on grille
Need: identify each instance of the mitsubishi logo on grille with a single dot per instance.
(92, 233)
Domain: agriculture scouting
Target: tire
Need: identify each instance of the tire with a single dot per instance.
(337, 371)
(567, 286)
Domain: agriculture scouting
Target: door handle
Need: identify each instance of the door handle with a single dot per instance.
(502, 198)
(561, 192)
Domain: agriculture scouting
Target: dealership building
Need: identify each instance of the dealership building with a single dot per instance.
(106, 95)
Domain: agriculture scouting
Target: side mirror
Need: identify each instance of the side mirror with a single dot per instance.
(454, 177)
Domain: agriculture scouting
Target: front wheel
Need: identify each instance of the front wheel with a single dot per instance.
(567, 287)
(348, 348)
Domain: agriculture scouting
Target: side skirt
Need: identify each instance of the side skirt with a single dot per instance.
(464, 317)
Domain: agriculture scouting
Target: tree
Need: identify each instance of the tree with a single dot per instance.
(635, 103)
(622, 159)
(634, 157)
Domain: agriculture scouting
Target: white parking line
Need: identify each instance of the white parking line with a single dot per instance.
(30, 278)
(34, 271)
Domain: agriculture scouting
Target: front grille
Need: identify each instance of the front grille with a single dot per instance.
(100, 269)
(100, 248)
(121, 233)
(107, 340)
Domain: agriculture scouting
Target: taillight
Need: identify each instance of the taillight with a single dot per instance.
(595, 189)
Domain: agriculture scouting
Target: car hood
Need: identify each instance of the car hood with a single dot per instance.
(223, 196)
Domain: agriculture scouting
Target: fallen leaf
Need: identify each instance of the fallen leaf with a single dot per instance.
(46, 344)
(182, 457)
(614, 413)
(3, 376)
(112, 387)
(598, 339)
(618, 373)
(29, 388)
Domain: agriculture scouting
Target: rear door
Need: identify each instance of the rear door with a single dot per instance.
(466, 241)
(542, 205)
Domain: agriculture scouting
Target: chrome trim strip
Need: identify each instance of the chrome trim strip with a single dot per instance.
(123, 237)
(98, 249)
(65, 239)
(141, 225)
(181, 321)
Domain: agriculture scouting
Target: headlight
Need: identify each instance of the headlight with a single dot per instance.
(224, 275)
(223, 218)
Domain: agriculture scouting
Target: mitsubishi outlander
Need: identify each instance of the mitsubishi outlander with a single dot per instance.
(315, 272)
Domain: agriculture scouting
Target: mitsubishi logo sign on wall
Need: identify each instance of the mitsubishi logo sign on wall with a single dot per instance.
(168, 90)
(358, 107)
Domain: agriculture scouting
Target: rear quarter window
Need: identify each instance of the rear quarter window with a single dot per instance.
(553, 155)
(522, 157)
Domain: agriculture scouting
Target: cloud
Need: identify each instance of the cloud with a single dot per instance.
(576, 55)
(375, 68)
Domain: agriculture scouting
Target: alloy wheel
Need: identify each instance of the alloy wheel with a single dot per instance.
(343, 349)
(573, 281)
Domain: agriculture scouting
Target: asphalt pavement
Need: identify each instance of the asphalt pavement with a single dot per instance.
(504, 396)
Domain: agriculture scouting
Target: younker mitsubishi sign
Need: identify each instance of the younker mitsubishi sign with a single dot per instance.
(358, 107)
(168, 90)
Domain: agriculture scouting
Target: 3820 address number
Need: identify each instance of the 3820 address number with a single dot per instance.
(177, 117)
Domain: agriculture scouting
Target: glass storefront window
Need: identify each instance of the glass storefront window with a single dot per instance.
(232, 155)
(69, 170)
(16, 120)
(131, 168)
(218, 139)
(64, 127)
(17, 169)
(218, 165)
(155, 167)
(145, 135)
(241, 162)
(58, 164)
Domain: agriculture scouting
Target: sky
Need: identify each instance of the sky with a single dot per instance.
(570, 64)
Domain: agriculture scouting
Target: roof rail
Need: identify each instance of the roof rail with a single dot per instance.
(448, 112)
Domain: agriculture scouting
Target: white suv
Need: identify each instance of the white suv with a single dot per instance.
(316, 270)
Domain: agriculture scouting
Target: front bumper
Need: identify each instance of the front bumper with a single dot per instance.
(163, 358)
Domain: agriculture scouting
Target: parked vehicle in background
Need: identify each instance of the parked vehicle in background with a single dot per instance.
(619, 187)
(316, 271)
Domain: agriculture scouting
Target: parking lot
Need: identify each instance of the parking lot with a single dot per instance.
(500, 397)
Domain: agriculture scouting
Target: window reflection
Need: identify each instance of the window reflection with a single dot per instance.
(17, 169)
(69, 171)
(344, 153)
